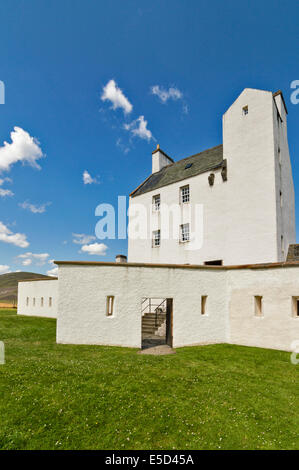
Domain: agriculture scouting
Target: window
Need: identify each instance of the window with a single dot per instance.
(27, 301)
(109, 307)
(50, 301)
(258, 306)
(156, 238)
(245, 110)
(282, 244)
(295, 301)
(279, 156)
(216, 262)
(185, 232)
(185, 194)
(41, 301)
(156, 202)
(203, 304)
(33, 302)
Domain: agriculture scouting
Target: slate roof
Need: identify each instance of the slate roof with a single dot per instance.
(199, 163)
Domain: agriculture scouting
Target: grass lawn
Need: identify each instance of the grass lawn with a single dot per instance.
(95, 397)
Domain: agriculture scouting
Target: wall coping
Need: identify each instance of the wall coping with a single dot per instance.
(37, 279)
(284, 264)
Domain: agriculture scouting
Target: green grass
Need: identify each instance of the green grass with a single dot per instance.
(91, 397)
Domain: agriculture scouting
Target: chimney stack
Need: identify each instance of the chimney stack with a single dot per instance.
(160, 159)
(120, 259)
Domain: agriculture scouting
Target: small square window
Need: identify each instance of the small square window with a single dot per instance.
(258, 305)
(203, 304)
(282, 244)
(156, 238)
(185, 232)
(185, 194)
(295, 307)
(245, 110)
(109, 305)
(156, 202)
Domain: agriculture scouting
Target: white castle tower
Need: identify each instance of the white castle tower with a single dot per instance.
(245, 187)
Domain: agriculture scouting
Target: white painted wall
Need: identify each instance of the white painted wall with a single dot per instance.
(37, 290)
(230, 315)
(82, 306)
(215, 222)
(284, 182)
(243, 220)
(277, 327)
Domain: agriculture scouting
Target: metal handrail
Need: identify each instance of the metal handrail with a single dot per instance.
(156, 312)
(150, 304)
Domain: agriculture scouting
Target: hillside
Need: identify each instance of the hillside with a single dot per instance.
(9, 285)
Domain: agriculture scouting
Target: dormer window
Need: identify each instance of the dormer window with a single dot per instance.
(185, 194)
(156, 202)
(245, 110)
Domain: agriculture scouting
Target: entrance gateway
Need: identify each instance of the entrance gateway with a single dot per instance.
(156, 321)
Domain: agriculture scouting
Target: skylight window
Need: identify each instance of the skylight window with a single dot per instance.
(188, 166)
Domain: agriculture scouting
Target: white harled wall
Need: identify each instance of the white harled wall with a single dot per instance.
(285, 202)
(242, 218)
(82, 307)
(277, 328)
(230, 313)
(171, 250)
(36, 290)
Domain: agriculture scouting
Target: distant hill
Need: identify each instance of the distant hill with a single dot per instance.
(9, 285)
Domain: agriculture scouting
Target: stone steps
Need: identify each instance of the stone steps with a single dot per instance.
(151, 322)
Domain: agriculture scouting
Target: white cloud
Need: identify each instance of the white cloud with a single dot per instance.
(82, 239)
(124, 148)
(5, 192)
(139, 128)
(7, 236)
(53, 272)
(88, 179)
(4, 269)
(113, 93)
(28, 258)
(27, 262)
(36, 209)
(23, 148)
(171, 94)
(3, 180)
(95, 249)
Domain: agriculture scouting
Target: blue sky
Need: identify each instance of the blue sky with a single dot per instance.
(56, 58)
